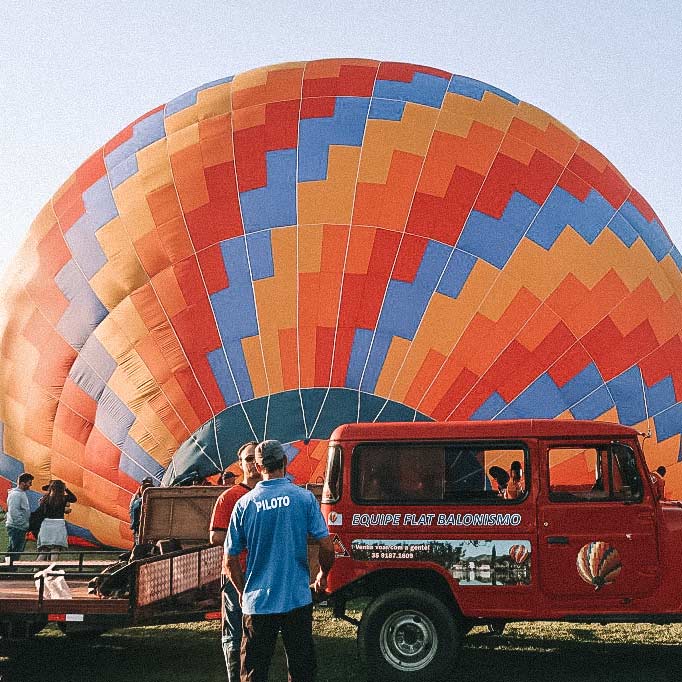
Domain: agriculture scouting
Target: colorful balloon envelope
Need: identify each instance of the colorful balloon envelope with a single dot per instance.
(302, 245)
(519, 553)
(598, 564)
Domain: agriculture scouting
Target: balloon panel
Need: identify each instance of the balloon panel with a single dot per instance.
(278, 252)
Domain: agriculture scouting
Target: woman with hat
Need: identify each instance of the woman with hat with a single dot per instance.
(52, 536)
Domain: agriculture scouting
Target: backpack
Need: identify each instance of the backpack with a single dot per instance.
(36, 520)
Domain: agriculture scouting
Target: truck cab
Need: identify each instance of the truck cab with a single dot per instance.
(444, 526)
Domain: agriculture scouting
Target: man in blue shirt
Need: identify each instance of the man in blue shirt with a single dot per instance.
(274, 522)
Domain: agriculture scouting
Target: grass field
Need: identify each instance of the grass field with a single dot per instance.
(191, 653)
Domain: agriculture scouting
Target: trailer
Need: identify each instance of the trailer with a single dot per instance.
(172, 575)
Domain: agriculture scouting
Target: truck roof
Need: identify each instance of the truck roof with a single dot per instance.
(512, 428)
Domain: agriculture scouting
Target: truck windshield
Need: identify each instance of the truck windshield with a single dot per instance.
(331, 492)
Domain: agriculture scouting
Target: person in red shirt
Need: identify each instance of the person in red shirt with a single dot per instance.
(231, 612)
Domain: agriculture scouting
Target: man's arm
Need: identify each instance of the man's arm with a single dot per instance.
(220, 519)
(326, 558)
(235, 573)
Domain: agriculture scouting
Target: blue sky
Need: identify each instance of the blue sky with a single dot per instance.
(72, 74)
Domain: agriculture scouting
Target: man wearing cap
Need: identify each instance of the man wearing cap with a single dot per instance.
(231, 612)
(274, 522)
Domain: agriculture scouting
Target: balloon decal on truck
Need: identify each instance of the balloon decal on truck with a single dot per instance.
(519, 553)
(598, 564)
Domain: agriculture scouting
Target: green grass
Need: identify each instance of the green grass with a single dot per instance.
(191, 653)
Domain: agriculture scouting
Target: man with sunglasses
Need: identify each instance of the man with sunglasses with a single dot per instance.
(231, 612)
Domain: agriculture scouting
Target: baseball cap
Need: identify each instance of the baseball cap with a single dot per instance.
(269, 453)
(147, 479)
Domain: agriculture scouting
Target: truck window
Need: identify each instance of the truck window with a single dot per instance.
(331, 491)
(403, 473)
(603, 472)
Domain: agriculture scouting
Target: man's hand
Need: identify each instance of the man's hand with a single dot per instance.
(326, 557)
(320, 585)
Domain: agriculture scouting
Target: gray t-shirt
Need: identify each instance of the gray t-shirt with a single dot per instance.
(18, 509)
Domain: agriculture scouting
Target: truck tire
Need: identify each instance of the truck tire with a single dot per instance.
(409, 635)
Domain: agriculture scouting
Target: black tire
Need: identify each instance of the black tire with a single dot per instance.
(409, 635)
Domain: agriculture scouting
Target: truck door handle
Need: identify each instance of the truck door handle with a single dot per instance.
(557, 540)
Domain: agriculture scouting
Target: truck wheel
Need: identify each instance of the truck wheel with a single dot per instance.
(408, 635)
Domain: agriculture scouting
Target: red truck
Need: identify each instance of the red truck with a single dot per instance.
(443, 526)
(175, 580)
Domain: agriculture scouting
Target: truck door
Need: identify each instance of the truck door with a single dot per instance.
(597, 526)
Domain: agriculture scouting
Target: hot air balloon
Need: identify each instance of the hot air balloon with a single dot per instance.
(598, 564)
(519, 553)
(302, 245)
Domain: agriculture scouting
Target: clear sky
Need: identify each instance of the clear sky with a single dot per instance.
(74, 72)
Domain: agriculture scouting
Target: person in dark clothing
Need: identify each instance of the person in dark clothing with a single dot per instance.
(227, 478)
(52, 536)
(135, 508)
(501, 478)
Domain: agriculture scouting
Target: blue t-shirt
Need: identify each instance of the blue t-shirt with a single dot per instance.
(274, 522)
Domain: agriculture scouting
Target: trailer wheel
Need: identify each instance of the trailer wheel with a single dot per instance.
(409, 635)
